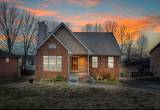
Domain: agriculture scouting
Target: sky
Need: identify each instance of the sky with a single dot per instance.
(139, 15)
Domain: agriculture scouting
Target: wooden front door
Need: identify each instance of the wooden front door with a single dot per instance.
(74, 64)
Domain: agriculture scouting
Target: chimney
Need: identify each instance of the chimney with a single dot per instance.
(42, 31)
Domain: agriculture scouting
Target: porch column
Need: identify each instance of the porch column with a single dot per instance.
(68, 66)
(88, 66)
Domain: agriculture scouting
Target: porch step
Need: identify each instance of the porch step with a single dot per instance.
(78, 77)
(73, 78)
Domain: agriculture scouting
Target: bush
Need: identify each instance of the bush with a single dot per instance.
(109, 76)
(122, 74)
(31, 80)
(106, 76)
(59, 78)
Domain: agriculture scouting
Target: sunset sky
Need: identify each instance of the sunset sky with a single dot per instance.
(139, 15)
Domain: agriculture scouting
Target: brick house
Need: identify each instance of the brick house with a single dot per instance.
(8, 65)
(155, 60)
(81, 54)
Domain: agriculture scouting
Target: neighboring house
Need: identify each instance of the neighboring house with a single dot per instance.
(136, 66)
(81, 54)
(155, 60)
(9, 65)
(30, 62)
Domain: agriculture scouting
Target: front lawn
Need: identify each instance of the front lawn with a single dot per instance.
(113, 82)
(57, 95)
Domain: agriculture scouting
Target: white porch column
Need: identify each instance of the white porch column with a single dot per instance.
(68, 66)
(88, 66)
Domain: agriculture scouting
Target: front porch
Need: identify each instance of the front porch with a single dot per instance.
(78, 69)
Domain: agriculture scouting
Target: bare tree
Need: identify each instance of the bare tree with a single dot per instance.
(29, 32)
(10, 24)
(141, 44)
(110, 26)
(97, 27)
(123, 36)
(87, 28)
(129, 45)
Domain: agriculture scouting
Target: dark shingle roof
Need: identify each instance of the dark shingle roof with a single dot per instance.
(155, 47)
(100, 43)
(4, 54)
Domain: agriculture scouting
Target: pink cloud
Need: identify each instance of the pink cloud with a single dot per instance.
(39, 12)
(135, 24)
(89, 3)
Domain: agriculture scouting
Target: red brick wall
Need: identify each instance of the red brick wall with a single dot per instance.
(103, 70)
(8, 69)
(45, 51)
(155, 61)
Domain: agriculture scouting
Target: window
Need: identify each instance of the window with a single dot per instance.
(94, 62)
(7, 60)
(52, 63)
(110, 62)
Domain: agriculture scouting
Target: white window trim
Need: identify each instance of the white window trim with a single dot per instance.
(56, 64)
(7, 60)
(94, 62)
(109, 61)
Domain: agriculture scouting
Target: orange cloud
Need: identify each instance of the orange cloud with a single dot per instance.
(157, 29)
(89, 3)
(39, 12)
(134, 24)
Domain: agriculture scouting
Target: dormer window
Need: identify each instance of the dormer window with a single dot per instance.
(51, 46)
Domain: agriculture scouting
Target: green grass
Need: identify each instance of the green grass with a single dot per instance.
(15, 93)
(113, 82)
(60, 95)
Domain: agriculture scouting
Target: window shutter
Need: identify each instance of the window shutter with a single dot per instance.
(106, 62)
(115, 62)
(99, 61)
(91, 61)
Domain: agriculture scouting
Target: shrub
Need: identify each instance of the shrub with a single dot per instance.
(59, 78)
(27, 72)
(106, 76)
(31, 80)
(109, 76)
(122, 74)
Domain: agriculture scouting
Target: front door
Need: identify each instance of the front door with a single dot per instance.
(74, 64)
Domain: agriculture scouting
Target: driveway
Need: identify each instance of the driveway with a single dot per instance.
(134, 84)
(142, 84)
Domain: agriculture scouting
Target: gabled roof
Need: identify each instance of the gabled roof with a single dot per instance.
(4, 54)
(49, 35)
(155, 47)
(75, 49)
(96, 43)
(72, 47)
(100, 43)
